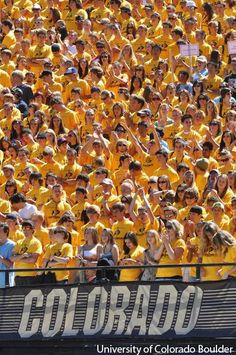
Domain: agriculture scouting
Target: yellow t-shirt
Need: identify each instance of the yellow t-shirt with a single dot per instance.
(27, 245)
(53, 211)
(165, 260)
(120, 229)
(141, 230)
(211, 272)
(62, 250)
(132, 274)
(230, 257)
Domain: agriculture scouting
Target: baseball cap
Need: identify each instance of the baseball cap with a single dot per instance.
(145, 112)
(190, 4)
(202, 164)
(28, 224)
(11, 216)
(196, 209)
(218, 205)
(55, 47)
(202, 59)
(36, 7)
(45, 72)
(9, 166)
(41, 135)
(71, 70)
(61, 140)
(107, 181)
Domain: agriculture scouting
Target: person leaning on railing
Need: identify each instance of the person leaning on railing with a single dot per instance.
(6, 247)
(174, 248)
(58, 254)
(225, 243)
(132, 255)
(25, 255)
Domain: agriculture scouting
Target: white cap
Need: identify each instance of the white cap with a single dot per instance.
(107, 182)
(36, 7)
(190, 4)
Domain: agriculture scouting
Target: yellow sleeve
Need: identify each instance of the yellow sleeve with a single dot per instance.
(35, 247)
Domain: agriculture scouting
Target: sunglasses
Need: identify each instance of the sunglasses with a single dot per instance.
(162, 182)
(121, 145)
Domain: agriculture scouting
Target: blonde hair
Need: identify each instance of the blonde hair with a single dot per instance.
(223, 239)
(155, 234)
(206, 243)
(177, 227)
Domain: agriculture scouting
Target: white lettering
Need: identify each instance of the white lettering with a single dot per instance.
(70, 314)
(23, 331)
(142, 297)
(47, 329)
(195, 309)
(116, 315)
(91, 325)
(164, 290)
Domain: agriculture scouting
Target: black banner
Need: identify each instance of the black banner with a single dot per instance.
(158, 309)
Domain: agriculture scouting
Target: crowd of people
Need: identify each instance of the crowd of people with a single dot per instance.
(115, 147)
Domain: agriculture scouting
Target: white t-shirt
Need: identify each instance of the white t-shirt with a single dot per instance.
(27, 211)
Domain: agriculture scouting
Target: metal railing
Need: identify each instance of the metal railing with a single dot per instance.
(103, 269)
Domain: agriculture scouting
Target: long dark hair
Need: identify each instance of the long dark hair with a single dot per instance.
(132, 83)
(134, 240)
(222, 143)
(198, 82)
(80, 71)
(209, 11)
(61, 127)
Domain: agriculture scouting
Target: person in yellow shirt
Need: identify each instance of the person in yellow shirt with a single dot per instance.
(219, 216)
(50, 164)
(212, 81)
(201, 171)
(106, 200)
(144, 220)
(93, 216)
(56, 207)
(15, 232)
(41, 233)
(47, 85)
(188, 134)
(23, 163)
(25, 255)
(164, 168)
(121, 225)
(59, 254)
(67, 220)
(190, 199)
(224, 242)
(179, 155)
(155, 28)
(70, 171)
(7, 65)
(132, 255)
(137, 174)
(152, 65)
(208, 254)
(39, 52)
(36, 189)
(68, 116)
(79, 207)
(8, 34)
(74, 81)
(173, 252)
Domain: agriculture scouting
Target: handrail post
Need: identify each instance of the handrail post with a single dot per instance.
(7, 283)
(198, 272)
